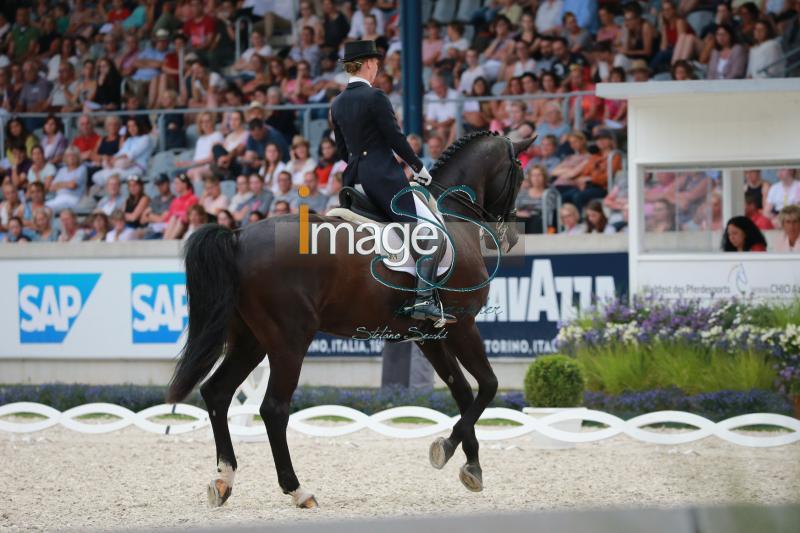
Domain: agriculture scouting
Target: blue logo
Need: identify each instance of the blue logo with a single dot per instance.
(159, 312)
(49, 304)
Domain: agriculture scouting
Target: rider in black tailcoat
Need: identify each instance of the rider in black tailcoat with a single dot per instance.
(366, 133)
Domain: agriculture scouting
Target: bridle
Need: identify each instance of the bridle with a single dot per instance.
(507, 215)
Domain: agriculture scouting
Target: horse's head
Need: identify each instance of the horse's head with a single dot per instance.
(501, 194)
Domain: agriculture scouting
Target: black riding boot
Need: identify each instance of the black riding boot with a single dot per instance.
(426, 305)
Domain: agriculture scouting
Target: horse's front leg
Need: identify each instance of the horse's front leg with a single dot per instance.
(466, 345)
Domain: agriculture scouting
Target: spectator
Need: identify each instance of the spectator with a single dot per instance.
(790, 222)
(440, 116)
(34, 95)
(757, 186)
(728, 59)
(519, 62)
(127, 61)
(315, 200)
(432, 43)
(298, 89)
(23, 41)
(672, 28)
(175, 134)
(257, 47)
(741, 235)
(754, 212)
(334, 188)
(553, 123)
(40, 170)
(113, 198)
(87, 139)
(327, 159)
(682, 70)
(69, 184)
(119, 230)
(456, 44)
(35, 202)
(301, 161)
(570, 218)
(20, 164)
(662, 218)
(238, 204)
(109, 145)
(474, 70)
(578, 39)
(255, 216)
(11, 206)
(495, 54)
(167, 20)
(334, 25)
(591, 105)
(261, 199)
(609, 30)
(596, 221)
(203, 156)
(202, 87)
(43, 226)
(53, 141)
(547, 157)
(638, 38)
(66, 55)
(137, 202)
(765, 58)
(101, 225)
(212, 199)
(563, 59)
(593, 180)
(639, 70)
(201, 29)
(170, 69)
(260, 136)
(782, 193)
(155, 216)
(357, 23)
(529, 205)
(236, 140)
(306, 51)
(15, 231)
(134, 155)
(108, 95)
(281, 208)
(225, 219)
(177, 218)
(549, 16)
(148, 64)
(70, 231)
(272, 166)
(285, 190)
(477, 114)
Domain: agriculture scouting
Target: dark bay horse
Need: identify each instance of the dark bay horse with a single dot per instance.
(252, 293)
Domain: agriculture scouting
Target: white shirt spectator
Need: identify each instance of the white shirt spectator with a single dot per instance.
(357, 24)
(780, 196)
(461, 45)
(439, 111)
(264, 51)
(282, 8)
(125, 235)
(468, 77)
(764, 55)
(549, 15)
(202, 150)
(55, 62)
(68, 197)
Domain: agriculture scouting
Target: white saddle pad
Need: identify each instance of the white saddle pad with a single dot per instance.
(426, 210)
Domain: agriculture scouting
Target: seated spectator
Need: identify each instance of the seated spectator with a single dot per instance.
(108, 95)
(113, 198)
(357, 22)
(571, 168)
(307, 50)
(609, 29)
(297, 90)
(592, 182)
(280, 122)
(316, 200)
(615, 112)
(729, 58)
(236, 141)
(260, 201)
(69, 185)
(638, 38)
(224, 166)
(765, 56)
(455, 45)
(87, 139)
(440, 116)
(108, 145)
(17, 135)
(257, 47)
(616, 201)
(281, 208)
(225, 219)
(662, 218)
(570, 218)
(174, 134)
(20, 164)
(34, 94)
(35, 202)
(596, 221)
(212, 200)
(64, 56)
(155, 215)
(692, 189)
(14, 232)
(43, 226)
(11, 206)
(639, 70)
(591, 106)
(474, 70)
(259, 77)
(547, 155)
(682, 71)
(241, 197)
(64, 93)
(741, 235)
(790, 223)
(563, 59)
(136, 203)
(40, 170)
(53, 141)
(578, 39)
(529, 204)
(501, 44)
(148, 65)
(301, 161)
(553, 124)
(327, 159)
(671, 27)
(755, 183)
(334, 187)
(285, 190)
(272, 166)
(134, 155)
(177, 218)
(171, 68)
(754, 213)
(23, 37)
(197, 217)
(203, 156)
(477, 114)
(786, 191)
(432, 43)
(119, 230)
(70, 230)
(101, 225)
(203, 87)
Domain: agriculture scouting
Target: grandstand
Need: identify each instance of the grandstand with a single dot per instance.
(126, 120)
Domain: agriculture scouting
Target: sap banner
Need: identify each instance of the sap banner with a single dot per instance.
(136, 308)
(528, 299)
(93, 308)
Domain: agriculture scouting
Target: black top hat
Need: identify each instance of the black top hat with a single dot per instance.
(360, 50)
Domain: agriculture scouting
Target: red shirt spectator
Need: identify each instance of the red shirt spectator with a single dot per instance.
(180, 206)
(200, 31)
(761, 222)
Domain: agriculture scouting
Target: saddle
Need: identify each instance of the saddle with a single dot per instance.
(356, 201)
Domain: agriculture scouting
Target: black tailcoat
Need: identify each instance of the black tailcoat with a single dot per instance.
(366, 133)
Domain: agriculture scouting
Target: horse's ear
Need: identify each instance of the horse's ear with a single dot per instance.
(521, 146)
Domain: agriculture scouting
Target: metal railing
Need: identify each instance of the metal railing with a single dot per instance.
(238, 34)
(789, 66)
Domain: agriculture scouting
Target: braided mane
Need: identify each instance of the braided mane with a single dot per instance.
(456, 147)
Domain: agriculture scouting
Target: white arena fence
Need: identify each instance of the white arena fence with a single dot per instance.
(440, 422)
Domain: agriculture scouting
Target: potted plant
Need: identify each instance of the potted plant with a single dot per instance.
(553, 384)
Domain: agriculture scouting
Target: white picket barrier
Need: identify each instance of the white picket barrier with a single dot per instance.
(440, 422)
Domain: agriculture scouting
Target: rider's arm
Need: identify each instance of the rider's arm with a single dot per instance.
(387, 123)
(341, 146)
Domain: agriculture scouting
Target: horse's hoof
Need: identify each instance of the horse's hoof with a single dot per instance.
(472, 477)
(218, 493)
(440, 452)
(310, 503)
(303, 499)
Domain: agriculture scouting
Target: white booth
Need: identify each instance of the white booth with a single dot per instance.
(685, 137)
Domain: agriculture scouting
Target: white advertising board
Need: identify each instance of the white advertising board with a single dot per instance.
(763, 277)
(92, 308)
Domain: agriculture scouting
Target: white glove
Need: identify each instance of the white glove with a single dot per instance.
(423, 177)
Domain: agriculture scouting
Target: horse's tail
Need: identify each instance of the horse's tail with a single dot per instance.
(212, 288)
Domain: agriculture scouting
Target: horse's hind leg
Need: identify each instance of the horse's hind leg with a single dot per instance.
(243, 354)
(447, 369)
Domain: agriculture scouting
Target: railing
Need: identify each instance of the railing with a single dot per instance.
(304, 111)
(784, 58)
(238, 35)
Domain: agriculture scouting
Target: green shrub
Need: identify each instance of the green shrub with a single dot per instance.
(554, 381)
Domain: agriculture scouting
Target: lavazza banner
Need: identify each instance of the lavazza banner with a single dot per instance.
(136, 308)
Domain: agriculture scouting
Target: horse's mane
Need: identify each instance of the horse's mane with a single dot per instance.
(456, 147)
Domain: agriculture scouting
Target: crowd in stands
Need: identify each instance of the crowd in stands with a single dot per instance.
(164, 67)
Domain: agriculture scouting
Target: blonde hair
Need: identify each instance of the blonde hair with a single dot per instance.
(352, 67)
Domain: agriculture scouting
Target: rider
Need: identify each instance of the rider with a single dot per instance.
(366, 132)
